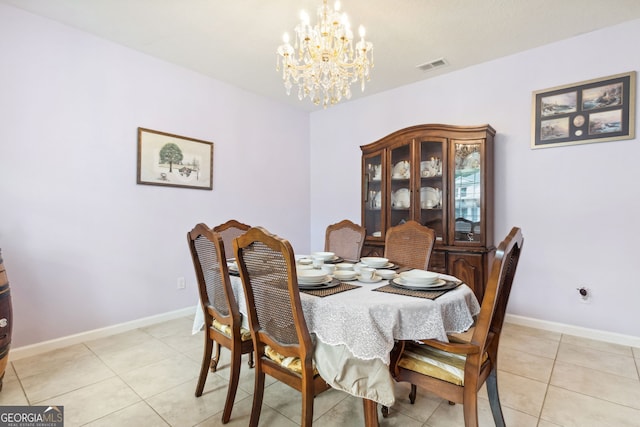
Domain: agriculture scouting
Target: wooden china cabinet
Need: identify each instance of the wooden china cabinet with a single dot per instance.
(442, 177)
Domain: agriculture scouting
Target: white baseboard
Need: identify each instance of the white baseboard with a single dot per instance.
(45, 346)
(593, 334)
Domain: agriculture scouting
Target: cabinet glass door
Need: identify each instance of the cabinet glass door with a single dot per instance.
(431, 186)
(373, 197)
(401, 169)
(467, 192)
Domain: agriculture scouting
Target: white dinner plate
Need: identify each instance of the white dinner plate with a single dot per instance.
(312, 277)
(436, 284)
(315, 285)
(326, 285)
(345, 275)
(374, 279)
(386, 266)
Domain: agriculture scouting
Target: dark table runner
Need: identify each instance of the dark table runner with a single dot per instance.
(330, 291)
(428, 293)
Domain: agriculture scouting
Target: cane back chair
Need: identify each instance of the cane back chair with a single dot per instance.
(222, 317)
(410, 245)
(229, 231)
(345, 239)
(284, 349)
(456, 370)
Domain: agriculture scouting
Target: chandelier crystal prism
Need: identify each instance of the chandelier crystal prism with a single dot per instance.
(322, 61)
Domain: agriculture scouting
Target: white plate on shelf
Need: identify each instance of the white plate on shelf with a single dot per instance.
(374, 279)
(402, 198)
(434, 195)
(401, 170)
(438, 283)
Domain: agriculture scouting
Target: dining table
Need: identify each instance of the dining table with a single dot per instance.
(355, 324)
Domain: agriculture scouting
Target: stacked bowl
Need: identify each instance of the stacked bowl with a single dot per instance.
(312, 277)
(420, 279)
(375, 262)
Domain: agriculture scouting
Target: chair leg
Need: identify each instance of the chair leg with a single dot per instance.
(234, 378)
(206, 357)
(494, 398)
(258, 392)
(307, 407)
(216, 359)
(412, 394)
(470, 407)
(251, 360)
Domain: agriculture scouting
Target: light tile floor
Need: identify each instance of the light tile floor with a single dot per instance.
(147, 377)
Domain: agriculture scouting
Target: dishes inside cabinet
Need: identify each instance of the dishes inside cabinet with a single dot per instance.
(431, 167)
(377, 172)
(401, 170)
(401, 199)
(430, 197)
(472, 161)
(376, 200)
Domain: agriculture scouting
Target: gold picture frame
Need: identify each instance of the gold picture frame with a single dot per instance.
(597, 110)
(174, 161)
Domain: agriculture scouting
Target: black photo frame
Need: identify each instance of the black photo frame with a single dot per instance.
(597, 110)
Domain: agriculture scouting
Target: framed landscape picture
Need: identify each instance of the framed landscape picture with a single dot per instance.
(596, 110)
(174, 161)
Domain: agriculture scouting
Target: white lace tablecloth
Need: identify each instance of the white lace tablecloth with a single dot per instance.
(368, 322)
(356, 330)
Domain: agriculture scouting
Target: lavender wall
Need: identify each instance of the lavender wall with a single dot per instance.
(577, 205)
(84, 246)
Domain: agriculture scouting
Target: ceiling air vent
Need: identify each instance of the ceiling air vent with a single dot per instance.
(436, 63)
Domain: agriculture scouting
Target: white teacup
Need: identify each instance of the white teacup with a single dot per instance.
(329, 268)
(386, 274)
(367, 273)
(318, 262)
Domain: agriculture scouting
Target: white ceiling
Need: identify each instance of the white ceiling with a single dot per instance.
(235, 40)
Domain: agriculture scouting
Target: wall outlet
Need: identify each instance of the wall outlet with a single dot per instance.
(181, 283)
(585, 294)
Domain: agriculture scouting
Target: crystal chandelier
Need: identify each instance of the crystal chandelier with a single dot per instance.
(322, 61)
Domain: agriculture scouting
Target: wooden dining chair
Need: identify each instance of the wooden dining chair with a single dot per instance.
(284, 349)
(409, 245)
(221, 314)
(345, 239)
(229, 231)
(457, 370)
